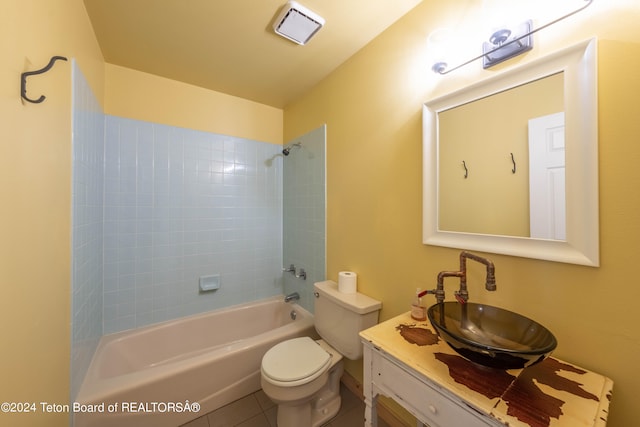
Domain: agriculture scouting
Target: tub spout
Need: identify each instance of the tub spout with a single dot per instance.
(293, 297)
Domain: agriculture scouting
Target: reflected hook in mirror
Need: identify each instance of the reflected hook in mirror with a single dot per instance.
(23, 79)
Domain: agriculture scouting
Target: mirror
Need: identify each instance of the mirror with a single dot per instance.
(505, 138)
(497, 207)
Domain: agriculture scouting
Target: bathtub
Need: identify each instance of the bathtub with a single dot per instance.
(170, 373)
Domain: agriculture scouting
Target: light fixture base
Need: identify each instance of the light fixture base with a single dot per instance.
(507, 43)
(439, 67)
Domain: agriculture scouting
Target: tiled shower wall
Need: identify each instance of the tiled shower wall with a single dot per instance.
(154, 208)
(304, 217)
(180, 204)
(87, 223)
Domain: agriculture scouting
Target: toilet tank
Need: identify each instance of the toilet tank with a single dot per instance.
(339, 317)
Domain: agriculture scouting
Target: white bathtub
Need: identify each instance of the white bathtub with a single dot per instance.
(147, 376)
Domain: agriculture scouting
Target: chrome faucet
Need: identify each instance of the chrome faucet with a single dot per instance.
(301, 274)
(292, 297)
(291, 269)
(462, 295)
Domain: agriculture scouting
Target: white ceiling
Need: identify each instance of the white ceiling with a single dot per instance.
(229, 46)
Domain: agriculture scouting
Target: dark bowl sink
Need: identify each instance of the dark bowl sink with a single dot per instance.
(491, 336)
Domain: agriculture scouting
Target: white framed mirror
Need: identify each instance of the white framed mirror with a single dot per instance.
(479, 191)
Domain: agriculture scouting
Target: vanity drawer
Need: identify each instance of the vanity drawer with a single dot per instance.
(426, 402)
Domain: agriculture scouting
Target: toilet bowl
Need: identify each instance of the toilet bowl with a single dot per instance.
(302, 376)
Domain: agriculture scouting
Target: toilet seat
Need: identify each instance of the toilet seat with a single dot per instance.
(295, 362)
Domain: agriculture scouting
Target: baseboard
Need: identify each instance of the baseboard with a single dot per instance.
(383, 412)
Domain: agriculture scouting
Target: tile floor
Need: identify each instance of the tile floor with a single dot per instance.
(256, 410)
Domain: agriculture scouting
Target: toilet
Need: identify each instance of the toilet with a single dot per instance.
(302, 376)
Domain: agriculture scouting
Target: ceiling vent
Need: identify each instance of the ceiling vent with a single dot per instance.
(297, 23)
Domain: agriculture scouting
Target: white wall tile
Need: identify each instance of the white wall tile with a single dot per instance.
(183, 203)
(304, 213)
(87, 227)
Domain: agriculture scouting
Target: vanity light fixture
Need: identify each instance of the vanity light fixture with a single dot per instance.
(297, 23)
(499, 47)
(506, 43)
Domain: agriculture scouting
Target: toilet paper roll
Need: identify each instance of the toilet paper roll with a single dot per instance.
(347, 282)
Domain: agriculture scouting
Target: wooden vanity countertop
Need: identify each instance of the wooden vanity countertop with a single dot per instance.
(549, 394)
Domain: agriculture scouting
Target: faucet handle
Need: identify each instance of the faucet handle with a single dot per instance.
(301, 274)
(460, 297)
(291, 269)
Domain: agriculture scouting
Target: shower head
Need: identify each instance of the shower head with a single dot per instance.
(286, 150)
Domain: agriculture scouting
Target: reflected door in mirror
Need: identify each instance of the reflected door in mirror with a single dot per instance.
(547, 177)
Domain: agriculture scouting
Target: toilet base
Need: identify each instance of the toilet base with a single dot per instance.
(319, 409)
(307, 414)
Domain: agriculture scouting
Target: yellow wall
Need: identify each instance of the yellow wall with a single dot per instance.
(146, 97)
(35, 192)
(372, 108)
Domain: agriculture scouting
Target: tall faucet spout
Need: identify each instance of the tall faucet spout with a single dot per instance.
(491, 278)
(490, 281)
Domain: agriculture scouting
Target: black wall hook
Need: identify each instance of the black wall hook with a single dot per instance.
(466, 171)
(23, 79)
(513, 169)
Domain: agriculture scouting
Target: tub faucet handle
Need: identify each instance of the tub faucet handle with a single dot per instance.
(291, 269)
(301, 274)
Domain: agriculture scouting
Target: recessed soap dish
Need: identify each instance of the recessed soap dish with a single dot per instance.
(209, 283)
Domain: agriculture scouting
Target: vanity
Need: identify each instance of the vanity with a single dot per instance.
(405, 360)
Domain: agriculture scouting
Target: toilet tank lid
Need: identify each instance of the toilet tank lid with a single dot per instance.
(357, 302)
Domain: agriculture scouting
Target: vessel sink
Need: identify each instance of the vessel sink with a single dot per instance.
(491, 336)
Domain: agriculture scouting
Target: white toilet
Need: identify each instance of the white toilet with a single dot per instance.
(302, 376)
